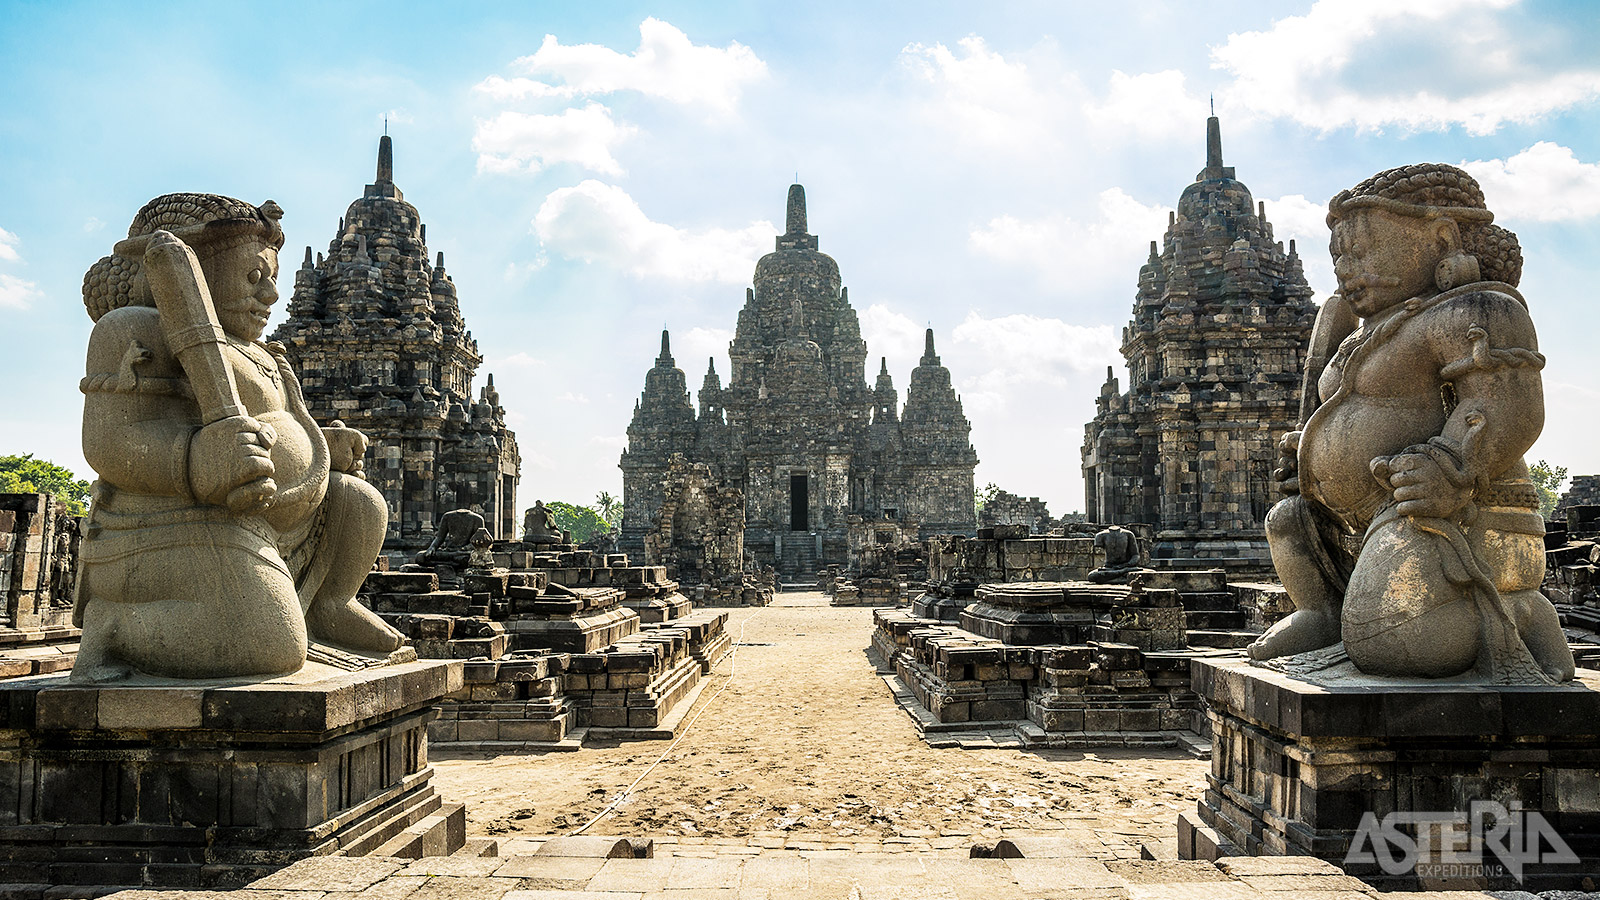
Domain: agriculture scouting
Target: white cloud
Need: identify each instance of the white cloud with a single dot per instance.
(16, 293)
(699, 343)
(986, 99)
(1066, 252)
(1427, 65)
(1305, 222)
(666, 64)
(400, 116)
(601, 223)
(570, 397)
(1009, 358)
(519, 273)
(610, 441)
(524, 142)
(521, 360)
(8, 246)
(893, 335)
(1544, 183)
(533, 459)
(1154, 104)
(93, 224)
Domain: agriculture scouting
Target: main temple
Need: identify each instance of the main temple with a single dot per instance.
(1215, 353)
(798, 429)
(376, 336)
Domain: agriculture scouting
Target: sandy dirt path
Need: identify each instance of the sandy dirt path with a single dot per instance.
(806, 743)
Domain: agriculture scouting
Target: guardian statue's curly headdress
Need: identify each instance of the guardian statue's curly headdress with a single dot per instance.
(1434, 191)
(203, 221)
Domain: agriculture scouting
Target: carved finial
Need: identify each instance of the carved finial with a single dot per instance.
(883, 367)
(1213, 143)
(440, 263)
(795, 222)
(927, 349)
(385, 160)
(307, 263)
(1291, 247)
(1153, 252)
(1109, 374)
(711, 365)
(666, 345)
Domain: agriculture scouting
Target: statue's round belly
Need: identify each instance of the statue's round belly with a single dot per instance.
(292, 461)
(1340, 442)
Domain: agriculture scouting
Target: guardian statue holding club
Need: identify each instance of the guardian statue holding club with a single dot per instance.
(1411, 541)
(228, 528)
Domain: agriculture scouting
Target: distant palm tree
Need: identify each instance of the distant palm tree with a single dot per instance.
(609, 508)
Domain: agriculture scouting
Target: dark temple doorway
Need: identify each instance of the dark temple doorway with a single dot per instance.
(799, 502)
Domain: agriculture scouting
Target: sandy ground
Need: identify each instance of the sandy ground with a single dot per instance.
(806, 743)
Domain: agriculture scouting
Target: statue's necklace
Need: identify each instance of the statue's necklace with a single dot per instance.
(268, 369)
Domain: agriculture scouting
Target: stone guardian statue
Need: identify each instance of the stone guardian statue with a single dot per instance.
(1411, 540)
(227, 528)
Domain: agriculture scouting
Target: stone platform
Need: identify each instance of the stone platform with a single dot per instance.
(553, 701)
(1297, 764)
(217, 782)
(1023, 868)
(1096, 694)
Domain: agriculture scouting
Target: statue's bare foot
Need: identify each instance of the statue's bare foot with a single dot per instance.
(352, 626)
(1301, 631)
(95, 665)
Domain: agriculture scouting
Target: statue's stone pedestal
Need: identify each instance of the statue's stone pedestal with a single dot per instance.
(217, 783)
(1295, 765)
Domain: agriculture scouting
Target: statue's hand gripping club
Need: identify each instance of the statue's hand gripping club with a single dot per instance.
(230, 452)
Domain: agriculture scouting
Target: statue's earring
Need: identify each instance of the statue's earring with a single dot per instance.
(1459, 268)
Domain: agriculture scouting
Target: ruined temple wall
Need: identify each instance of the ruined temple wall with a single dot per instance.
(991, 561)
(1583, 491)
(1006, 508)
(39, 545)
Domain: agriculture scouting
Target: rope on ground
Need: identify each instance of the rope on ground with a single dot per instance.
(733, 661)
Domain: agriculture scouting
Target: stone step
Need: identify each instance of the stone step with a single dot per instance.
(1225, 638)
(437, 834)
(479, 848)
(1216, 620)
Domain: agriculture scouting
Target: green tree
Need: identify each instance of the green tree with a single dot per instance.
(982, 496)
(609, 508)
(1547, 479)
(26, 475)
(584, 523)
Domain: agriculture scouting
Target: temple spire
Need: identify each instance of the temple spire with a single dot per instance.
(1213, 143)
(883, 368)
(666, 349)
(385, 160)
(927, 349)
(795, 221)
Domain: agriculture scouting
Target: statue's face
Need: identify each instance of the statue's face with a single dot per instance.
(1382, 259)
(244, 284)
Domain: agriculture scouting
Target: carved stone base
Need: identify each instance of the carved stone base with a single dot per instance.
(216, 783)
(1295, 766)
(584, 632)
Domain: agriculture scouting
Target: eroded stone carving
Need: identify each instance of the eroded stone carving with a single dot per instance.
(1411, 540)
(227, 527)
(452, 539)
(539, 526)
(1121, 548)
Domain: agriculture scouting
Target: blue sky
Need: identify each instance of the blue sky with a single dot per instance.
(596, 171)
